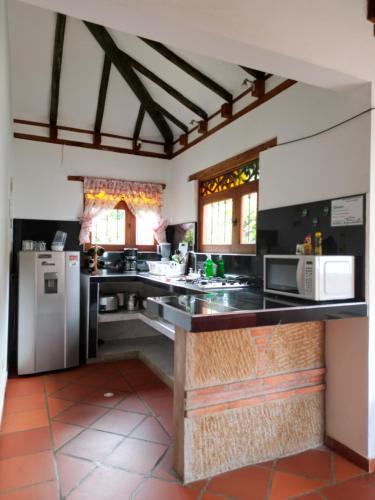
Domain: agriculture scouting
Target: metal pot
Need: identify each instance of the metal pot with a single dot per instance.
(121, 299)
(133, 302)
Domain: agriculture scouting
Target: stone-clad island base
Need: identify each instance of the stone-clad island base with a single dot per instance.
(246, 396)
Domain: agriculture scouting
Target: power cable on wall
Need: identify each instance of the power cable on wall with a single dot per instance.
(324, 130)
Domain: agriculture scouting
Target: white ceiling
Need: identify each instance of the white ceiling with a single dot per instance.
(328, 43)
(32, 36)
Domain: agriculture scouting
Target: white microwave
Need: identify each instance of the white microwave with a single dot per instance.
(313, 277)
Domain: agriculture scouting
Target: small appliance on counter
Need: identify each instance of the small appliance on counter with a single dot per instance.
(164, 249)
(312, 277)
(130, 259)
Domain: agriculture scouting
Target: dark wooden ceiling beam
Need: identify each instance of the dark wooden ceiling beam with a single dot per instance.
(226, 110)
(258, 75)
(259, 88)
(138, 126)
(102, 97)
(371, 10)
(111, 50)
(183, 140)
(202, 127)
(165, 86)
(172, 118)
(189, 69)
(56, 71)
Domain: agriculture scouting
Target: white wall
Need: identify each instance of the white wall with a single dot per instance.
(333, 164)
(5, 166)
(347, 343)
(41, 188)
(371, 293)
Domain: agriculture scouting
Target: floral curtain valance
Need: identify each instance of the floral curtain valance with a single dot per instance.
(136, 193)
(101, 194)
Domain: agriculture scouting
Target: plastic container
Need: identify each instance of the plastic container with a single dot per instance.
(58, 242)
(169, 268)
(57, 248)
(27, 245)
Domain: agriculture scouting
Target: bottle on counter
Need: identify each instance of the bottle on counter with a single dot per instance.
(220, 267)
(318, 243)
(307, 245)
(209, 267)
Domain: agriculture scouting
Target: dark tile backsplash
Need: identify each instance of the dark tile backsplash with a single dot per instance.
(111, 259)
(44, 230)
(234, 264)
(280, 229)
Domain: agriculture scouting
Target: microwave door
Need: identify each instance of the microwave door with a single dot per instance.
(281, 275)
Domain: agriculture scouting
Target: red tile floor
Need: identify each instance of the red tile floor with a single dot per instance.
(62, 438)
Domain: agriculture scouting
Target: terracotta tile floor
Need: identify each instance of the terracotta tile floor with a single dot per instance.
(62, 438)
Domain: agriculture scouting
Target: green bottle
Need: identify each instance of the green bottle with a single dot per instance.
(209, 267)
(220, 267)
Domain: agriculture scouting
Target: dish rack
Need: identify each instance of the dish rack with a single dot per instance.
(168, 268)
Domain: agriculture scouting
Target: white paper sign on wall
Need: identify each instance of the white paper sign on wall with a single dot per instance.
(347, 211)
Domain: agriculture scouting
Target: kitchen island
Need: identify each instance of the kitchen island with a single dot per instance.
(249, 376)
(249, 373)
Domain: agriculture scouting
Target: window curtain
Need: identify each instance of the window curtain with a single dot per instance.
(143, 200)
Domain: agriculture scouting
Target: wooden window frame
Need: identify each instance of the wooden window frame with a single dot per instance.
(223, 168)
(235, 194)
(130, 234)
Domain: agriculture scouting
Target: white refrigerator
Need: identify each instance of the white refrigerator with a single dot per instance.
(48, 311)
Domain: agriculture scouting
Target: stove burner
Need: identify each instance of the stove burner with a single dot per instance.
(230, 282)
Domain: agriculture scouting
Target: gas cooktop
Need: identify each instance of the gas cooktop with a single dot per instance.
(228, 282)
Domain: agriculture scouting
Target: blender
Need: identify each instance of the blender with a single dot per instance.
(164, 249)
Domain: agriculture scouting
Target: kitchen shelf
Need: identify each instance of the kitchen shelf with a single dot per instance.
(159, 325)
(156, 352)
(111, 317)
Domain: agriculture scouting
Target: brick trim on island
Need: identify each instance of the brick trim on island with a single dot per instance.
(252, 392)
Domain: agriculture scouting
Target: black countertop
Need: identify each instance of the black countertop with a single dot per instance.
(196, 310)
(242, 308)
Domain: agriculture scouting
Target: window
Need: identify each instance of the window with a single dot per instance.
(109, 228)
(249, 205)
(213, 233)
(228, 206)
(118, 228)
